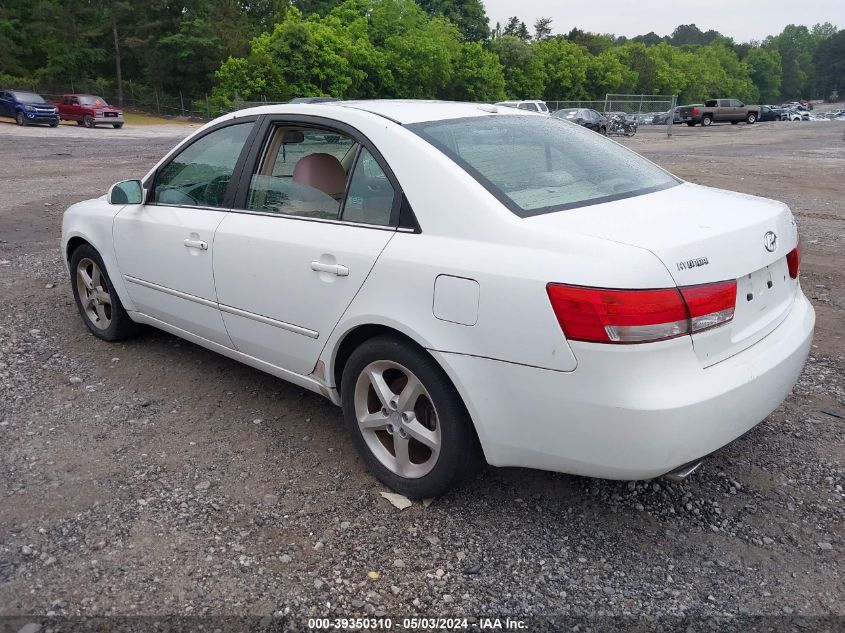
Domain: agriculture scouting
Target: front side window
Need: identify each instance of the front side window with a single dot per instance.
(303, 171)
(199, 175)
(537, 165)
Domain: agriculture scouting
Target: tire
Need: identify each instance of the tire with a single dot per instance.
(20, 118)
(117, 126)
(734, 122)
(691, 124)
(98, 303)
(706, 120)
(79, 122)
(54, 124)
(603, 131)
(751, 119)
(435, 414)
(88, 121)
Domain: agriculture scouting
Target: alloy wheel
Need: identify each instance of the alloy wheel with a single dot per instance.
(94, 295)
(397, 419)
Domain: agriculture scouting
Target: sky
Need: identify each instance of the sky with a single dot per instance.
(743, 20)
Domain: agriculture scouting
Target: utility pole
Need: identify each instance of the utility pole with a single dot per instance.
(117, 57)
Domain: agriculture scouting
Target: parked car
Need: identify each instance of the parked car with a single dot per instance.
(662, 118)
(531, 105)
(719, 111)
(27, 108)
(313, 100)
(585, 117)
(796, 115)
(462, 280)
(770, 113)
(89, 110)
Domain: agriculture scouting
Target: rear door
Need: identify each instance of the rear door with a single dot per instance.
(165, 247)
(312, 217)
(5, 109)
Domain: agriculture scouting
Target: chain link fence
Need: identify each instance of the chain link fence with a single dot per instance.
(645, 109)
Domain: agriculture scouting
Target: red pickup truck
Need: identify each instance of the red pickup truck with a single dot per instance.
(89, 110)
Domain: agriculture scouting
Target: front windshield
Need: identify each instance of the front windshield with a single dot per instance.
(91, 100)
(536, 165)
(29, 97)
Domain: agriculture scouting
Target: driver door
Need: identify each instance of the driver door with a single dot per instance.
(164, 247)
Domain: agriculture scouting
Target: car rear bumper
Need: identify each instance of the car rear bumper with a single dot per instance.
(624, 412)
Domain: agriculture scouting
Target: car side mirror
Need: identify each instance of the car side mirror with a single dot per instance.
(126, 192)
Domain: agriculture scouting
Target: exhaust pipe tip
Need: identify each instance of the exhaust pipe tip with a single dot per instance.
(682, 472)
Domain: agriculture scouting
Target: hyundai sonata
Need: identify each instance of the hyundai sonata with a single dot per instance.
(464, 280)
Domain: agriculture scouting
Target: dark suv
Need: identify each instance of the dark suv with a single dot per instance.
(27, 107)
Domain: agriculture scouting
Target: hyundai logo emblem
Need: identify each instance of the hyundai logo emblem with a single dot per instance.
(770, 241)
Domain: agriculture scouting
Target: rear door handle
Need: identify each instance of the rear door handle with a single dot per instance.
(335, 269)
(200, 244)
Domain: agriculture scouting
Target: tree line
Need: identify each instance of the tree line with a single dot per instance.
(251, 50)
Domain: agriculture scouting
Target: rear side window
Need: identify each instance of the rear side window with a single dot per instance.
(536, 165)
(370, 197)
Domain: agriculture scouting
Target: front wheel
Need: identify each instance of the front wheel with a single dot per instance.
(20, 117)
(98, 303)
(117, 126)
(751, 119)
(88, 121)
(406, 419)
(706, 120)
(54, 124)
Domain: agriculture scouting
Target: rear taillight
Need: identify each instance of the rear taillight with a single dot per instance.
(793, 261)
(695, 111)
(602, 315)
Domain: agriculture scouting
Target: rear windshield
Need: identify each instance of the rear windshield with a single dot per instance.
(29, 97)
(537, 165)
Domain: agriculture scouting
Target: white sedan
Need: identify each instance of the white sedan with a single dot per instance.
(466, 281)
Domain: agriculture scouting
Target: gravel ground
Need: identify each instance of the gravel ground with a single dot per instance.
(155, 477)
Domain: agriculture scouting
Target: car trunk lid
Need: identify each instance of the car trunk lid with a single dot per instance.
(704, 235)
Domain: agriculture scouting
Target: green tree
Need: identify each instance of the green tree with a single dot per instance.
(765, 71)
(523, 73)
(468, 15)
(542, 29)
(477, 75)
(564, 67)
(829, 61)
(516, 28)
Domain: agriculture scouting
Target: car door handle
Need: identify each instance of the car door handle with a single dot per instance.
(200, 244)
(335, 269)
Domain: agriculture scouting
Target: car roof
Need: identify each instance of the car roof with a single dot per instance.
(402, 111)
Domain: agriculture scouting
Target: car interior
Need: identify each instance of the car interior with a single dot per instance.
(305, 171)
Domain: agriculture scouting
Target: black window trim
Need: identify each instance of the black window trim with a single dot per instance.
(228, 197)
(501, 196)
(401, 215)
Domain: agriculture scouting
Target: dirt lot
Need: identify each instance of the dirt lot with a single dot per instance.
(155, 477)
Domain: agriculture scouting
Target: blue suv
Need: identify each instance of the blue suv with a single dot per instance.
(27, 107)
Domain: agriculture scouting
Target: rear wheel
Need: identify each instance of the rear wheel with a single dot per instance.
(117, 126)
(706, 120)
(406, 418)
(88, 121)
(20, 117)
(54, 124)
(96, 299)
(751, 119)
